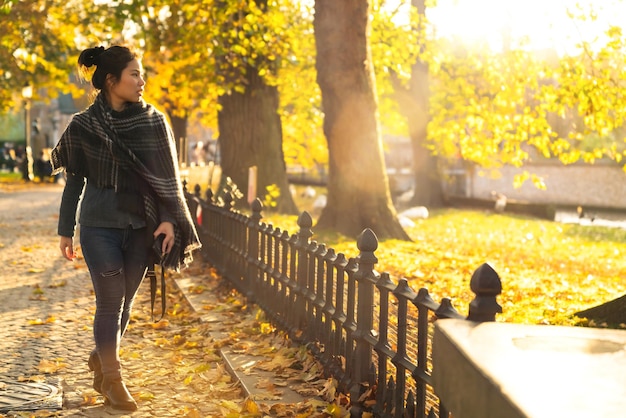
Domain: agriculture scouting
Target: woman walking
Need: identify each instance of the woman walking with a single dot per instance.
(121, 151)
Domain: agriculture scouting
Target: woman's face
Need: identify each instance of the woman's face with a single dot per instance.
(129, 88)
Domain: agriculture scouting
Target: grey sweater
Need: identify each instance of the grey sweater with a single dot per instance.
(98, 208)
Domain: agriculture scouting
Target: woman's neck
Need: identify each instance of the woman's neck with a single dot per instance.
(116, 105)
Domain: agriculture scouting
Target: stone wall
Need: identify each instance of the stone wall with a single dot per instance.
(598, 185)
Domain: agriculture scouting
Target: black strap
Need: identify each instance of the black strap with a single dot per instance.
(153, 286)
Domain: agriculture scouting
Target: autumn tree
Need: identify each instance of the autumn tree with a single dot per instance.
(487, 109)
(39, 46)
(300, 110)
(214, 62)
(401, 60)
(252, 40)
(177, 68)
(358, 190)
(588, 92)
(414, 101)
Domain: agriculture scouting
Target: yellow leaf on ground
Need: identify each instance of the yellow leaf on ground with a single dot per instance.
(89, 400)
(250, 406)
(161, 342)
(230, 406)
(162, 324)
(193, 413)
(191, 344)
(179, 339)
(54, 285)
(47, 366)
(145, 396)
(37, 378)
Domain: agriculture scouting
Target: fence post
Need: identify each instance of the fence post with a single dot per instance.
(366, 278)
(305, 222)
(252, 258)
(486, 284)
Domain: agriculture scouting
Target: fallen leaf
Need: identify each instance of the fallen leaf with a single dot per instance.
(54, 285)
(250, 406)
(89, 400)
(179, 339)
(162, 324)
(48, 366)
(145, 396)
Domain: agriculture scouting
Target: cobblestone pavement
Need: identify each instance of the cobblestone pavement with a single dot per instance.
(46, 314)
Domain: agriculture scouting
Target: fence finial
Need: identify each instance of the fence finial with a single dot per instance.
(208, 195)
(256, 207)
(486, 284)
(229, 201)
(367, 243)
(305, 222)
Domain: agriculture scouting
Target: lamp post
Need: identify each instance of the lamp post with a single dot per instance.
(27, 94)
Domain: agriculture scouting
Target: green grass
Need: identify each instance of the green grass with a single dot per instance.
(548, 270)
(10, 177)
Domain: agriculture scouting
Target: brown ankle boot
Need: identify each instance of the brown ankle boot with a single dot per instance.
(94, 366)
(115, 392)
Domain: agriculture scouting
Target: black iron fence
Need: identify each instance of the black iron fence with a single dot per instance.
(370, 333)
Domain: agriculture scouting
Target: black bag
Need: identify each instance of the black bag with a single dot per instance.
(157, 245)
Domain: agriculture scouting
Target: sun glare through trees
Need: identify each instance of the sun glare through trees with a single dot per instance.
(536, 24)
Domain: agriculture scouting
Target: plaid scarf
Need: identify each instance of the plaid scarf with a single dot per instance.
(134, 152)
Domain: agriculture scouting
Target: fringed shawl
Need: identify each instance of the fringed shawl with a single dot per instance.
(134, 152)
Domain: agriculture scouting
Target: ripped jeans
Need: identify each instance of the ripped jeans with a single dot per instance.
(116, 259)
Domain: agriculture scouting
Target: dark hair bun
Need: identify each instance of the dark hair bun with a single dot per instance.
(90, 56)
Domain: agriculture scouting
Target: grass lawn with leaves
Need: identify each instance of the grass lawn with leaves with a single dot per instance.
(549, 270)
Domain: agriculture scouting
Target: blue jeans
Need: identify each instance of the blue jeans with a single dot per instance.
(117, 262)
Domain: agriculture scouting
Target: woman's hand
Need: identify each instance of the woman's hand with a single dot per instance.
(167, 229)
(67, 248)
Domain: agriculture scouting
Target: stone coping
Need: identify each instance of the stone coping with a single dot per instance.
(508, 370)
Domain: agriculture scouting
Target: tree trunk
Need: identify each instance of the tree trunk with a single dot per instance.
(251, 135)
(358, 188)
(179, 129)
(413, 102)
